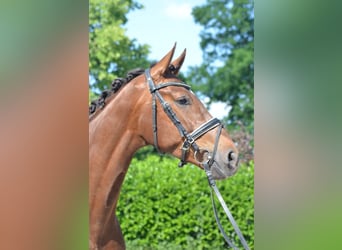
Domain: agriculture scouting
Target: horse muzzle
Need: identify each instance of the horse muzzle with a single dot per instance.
(224, 165)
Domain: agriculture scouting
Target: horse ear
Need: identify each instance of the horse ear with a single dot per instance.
(161, 67)
(177, 64)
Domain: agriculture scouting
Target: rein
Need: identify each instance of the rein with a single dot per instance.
(190, 142)
(213, 186)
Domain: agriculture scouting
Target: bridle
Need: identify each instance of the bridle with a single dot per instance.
(190, 142)
(189, 138)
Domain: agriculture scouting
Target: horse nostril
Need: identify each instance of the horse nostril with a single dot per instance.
(231, 156)
(232, 160)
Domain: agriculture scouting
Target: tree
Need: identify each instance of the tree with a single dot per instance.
(111, 52)
(227, 71)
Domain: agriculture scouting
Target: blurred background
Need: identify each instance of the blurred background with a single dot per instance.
(43, 125)
(297, 139)
(45, 76)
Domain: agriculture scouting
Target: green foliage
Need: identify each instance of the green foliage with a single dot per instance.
(111, 52)
(227, 41)
(164, 207)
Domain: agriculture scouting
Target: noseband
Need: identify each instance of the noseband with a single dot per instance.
(190, 142)
(189, 138)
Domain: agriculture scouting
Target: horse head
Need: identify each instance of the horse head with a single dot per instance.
(158, 128)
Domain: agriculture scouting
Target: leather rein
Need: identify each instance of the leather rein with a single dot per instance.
(190, 142)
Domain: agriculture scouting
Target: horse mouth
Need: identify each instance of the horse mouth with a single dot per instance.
(220, 174)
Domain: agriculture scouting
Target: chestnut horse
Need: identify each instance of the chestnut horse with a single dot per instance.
(122, 121)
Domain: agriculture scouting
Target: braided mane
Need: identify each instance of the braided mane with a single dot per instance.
(115, 86)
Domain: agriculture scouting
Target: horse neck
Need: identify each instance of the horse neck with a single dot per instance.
(112, 144)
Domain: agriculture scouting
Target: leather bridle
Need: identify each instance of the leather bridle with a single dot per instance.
(189, 138)
(190, 142)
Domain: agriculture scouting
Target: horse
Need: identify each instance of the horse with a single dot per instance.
(148, 107)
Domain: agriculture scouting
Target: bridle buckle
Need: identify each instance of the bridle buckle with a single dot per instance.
(187, 143)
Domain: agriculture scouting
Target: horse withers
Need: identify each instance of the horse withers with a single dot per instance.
(152, 107)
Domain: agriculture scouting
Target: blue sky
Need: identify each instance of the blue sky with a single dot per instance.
(162, 23)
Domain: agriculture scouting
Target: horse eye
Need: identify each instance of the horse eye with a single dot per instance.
(183, 101)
